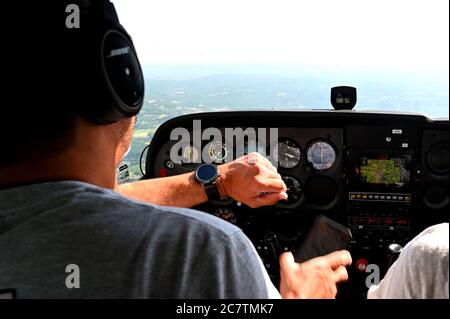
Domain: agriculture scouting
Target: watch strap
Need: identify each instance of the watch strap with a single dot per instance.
(212, 191)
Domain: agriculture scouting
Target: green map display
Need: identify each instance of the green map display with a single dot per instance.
(375, 171)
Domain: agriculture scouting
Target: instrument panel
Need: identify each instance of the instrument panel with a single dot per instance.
(385, 176)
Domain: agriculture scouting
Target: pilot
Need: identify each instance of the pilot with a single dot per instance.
(68, 231)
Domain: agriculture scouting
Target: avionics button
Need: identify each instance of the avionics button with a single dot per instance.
(361, 264)
(407, 198)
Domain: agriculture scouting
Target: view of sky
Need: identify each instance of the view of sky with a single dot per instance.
(346, 33)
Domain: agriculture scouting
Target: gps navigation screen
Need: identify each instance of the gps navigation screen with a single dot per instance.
(387, 171)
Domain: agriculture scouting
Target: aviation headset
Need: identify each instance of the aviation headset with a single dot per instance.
(115, 85)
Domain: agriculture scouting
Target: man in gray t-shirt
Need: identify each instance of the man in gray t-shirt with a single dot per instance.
(68, 230)
(124, 249)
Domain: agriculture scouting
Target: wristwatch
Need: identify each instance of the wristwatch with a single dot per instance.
(207, 175)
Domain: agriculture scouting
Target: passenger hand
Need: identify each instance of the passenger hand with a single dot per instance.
(315, 278)
(252, 180)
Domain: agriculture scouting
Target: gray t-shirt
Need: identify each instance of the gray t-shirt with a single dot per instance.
(122, 248)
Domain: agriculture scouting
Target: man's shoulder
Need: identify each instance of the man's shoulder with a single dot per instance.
(433, 240)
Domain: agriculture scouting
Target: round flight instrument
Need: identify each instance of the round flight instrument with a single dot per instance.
(217, 152)
(226, 214)
(294, 190)
(289, 153)
(190, 154)
(321, 155)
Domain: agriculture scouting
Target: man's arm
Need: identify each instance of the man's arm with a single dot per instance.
(251, 179)
(180, 190)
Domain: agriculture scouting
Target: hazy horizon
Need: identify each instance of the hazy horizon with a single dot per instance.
(324, 33)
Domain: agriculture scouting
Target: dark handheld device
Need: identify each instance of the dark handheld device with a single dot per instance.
(324, 237)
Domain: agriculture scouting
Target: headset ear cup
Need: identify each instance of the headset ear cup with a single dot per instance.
(122, 74)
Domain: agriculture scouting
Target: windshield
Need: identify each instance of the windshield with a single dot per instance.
(209, 55)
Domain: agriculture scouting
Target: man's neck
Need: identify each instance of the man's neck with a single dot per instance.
(78, 165)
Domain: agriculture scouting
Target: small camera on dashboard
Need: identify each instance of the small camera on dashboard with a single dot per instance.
(343, 97)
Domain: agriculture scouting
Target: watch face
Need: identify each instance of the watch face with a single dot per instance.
(206, 173)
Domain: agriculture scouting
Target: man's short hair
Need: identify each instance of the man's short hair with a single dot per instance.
(32, 135)
(44, 80)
